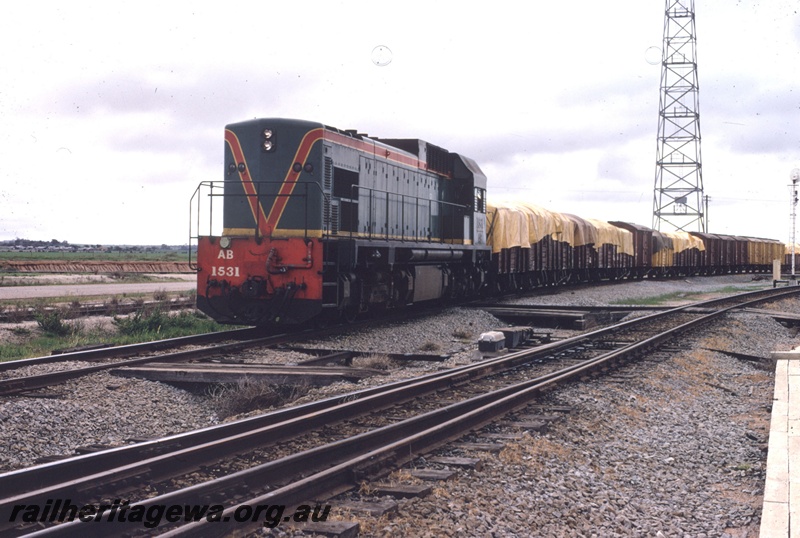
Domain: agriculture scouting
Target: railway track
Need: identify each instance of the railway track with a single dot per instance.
(241, 339)
(475, 395)
(21, 384)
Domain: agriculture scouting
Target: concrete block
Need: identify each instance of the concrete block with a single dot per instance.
(793, 355)
(779, 421)
(774, 520)
(776, 487)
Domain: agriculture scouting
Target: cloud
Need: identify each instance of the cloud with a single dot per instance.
(114, 110)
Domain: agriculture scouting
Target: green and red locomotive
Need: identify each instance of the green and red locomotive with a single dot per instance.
(313, 222)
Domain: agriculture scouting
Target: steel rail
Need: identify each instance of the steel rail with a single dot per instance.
(74, 467)
(130, 349)
(247, 336)
(370, 399)
(470, 415)
(9, 387)
(162, 457)
(335, 465)
(36, 476)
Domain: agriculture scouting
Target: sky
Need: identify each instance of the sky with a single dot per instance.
(111, 113)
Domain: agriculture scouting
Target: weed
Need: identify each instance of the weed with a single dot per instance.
(140, 327)
(366, 489)
(461, 334)
(52, 323)
(403, 476)
(190, 294)
(250, 394)
(158, 322)
(141, 322)
(112, 305)
(683, 296)
(160, 295)
(74, 309)
(377, 362)
(429, 346)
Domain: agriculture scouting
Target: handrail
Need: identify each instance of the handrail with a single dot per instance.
(436, 212)
(209, 190)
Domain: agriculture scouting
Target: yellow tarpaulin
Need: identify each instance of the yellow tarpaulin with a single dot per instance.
(613, 235)
(522, 225)
(667, 244)
(684, 241)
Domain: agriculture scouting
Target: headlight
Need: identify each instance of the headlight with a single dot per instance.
(269, 140)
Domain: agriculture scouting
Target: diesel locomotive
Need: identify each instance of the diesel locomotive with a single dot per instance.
(322, 223)
(311, 222)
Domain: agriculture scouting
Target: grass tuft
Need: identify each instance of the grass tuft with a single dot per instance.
(158, 323)
(429, 346)
(52, 323)
(142, 326)
(249, 395)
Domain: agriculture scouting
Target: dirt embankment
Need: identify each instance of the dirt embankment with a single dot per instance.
(94, 267)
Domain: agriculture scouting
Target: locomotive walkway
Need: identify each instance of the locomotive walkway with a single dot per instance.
(780, 516)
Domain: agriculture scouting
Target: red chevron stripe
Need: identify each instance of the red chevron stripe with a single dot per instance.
(247, 182)
(291, 177)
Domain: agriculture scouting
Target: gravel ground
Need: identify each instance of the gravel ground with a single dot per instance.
(676, 451)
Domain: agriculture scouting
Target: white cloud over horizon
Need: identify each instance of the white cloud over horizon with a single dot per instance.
(113, 112)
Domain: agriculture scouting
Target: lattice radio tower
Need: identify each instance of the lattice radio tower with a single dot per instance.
(678, 193)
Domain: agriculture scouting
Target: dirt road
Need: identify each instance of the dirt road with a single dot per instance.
(78, 290)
